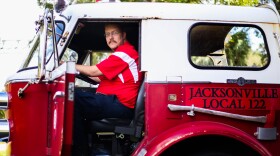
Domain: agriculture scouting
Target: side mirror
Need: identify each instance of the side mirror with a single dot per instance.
(48, 45)
(43, 45)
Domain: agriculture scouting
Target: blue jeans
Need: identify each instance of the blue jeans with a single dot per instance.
(90, 106)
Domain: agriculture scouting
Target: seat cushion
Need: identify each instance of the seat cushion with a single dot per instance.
(107, 125)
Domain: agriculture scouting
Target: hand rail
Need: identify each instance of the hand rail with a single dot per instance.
(172, 107)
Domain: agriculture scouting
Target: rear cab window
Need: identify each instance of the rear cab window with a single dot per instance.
(228, 46)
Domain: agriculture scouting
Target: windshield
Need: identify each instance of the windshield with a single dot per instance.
(32, 59)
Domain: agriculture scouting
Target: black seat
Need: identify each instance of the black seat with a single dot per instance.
(132, 127)
(136, 125)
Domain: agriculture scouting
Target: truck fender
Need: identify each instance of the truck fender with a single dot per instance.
(198, 128)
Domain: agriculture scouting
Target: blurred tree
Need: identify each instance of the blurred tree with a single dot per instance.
(45, 4)
(237, 48)
(49, 4)
(2, 114)
(277, 3)
(85, 1)
(224, 2)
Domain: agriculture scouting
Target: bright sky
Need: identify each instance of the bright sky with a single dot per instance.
(17, 23)
(17, 18)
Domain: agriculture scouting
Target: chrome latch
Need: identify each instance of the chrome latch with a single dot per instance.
(266, 133)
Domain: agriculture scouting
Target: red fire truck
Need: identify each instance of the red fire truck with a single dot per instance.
(211, 86)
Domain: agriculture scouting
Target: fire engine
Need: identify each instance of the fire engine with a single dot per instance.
(211, 86)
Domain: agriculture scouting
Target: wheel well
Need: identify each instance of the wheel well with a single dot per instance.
(210, 145)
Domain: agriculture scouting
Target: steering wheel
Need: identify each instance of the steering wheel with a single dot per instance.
(86, 78)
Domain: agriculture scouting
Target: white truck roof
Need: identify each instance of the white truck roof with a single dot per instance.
(143, 10)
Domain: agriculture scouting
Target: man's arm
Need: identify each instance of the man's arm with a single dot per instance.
(91, 71)
(96, 79)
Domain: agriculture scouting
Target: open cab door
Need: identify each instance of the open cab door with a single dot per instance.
(41, 96)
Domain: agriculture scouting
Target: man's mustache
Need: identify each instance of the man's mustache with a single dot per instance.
(112, 41)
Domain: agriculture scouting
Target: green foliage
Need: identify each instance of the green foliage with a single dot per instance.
(2, 114)
(263, 54)
(238, 2)
(223, 2)
(45, 4)
(237, 49)
(202, 60)
(85, 1)
(171, 1)
(98, 57)
(277, 3)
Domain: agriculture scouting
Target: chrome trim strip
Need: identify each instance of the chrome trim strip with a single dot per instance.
(58, 94)
(181, 82)
(172, 107)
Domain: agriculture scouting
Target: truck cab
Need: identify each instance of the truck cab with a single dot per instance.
(211, 86)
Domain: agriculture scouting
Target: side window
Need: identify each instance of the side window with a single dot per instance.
(69, 55)
(228, 46)
(96, 57)
(32, 58)
(91, 59)
(59, 29)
